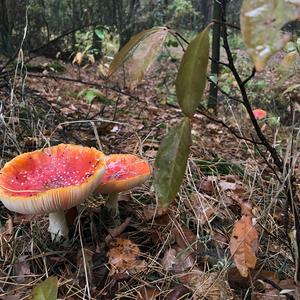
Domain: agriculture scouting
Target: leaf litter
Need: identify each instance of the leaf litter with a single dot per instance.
(198, 225)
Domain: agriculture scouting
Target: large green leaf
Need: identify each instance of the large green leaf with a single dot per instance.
(171, 160)
(129, 48)
(261, 21)
(46, 290)
(191, 78)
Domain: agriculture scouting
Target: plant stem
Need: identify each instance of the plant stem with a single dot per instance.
(282, 167)
(58, 225)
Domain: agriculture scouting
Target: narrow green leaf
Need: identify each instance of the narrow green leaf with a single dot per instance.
(191, 78)
(171, 160)
(261, 21)
(127, 50)
(46, 290)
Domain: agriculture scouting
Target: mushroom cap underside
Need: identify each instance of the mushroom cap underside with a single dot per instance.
(123, 172)
(51, 179)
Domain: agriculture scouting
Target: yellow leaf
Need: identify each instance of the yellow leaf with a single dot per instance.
(288, 61)
(261, 21)
(78, 58)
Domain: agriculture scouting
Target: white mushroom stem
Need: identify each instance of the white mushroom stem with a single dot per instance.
(58, 225)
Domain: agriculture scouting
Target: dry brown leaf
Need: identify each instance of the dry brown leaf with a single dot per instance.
(286, 287)
(178, 260)
(152, 211)
(243, 245)
(185, 238)
(203, 210)
(22, 268)
(114, 232)
(124, 256)
(169, 260)
(289, 287)
(270, 293)
(78, 58)
(256, 277)
(205, 285)
(207, 185)
(235, 190)
(220, 239)
(178, 293)
(148, 293)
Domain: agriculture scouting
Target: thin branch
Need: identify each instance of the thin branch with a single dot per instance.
(249, 77)
(90, 83)
(223, 92)
(241, 84)
(214, 119)
(227, 24)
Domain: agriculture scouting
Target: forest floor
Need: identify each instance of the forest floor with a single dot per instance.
(181, 253)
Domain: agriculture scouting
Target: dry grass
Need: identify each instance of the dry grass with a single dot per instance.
(32, 119)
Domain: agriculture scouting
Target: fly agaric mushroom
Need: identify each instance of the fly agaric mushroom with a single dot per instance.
(123, 172)
(259, 114)
(51, 180)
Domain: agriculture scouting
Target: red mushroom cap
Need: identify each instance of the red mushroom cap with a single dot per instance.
(123, 172)
(51, 179)
(259, 114)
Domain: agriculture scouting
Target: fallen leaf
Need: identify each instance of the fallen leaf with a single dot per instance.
(78, 58)
(235, 190)
(153, 211)
(202, 209)
(46, 290)
(22, 268)
(179, 292)
(178, 260)
(185, 238)
(243, 245)
(209, 286)
(207, 186)
(169, 260)
(148, 293)
(114, 232)
(236, 281)
(124, 256)
(269, 293)
(220, 239)
(289, 287)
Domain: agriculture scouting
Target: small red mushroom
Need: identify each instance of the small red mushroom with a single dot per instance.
(123, 172)
(51, 180)
(259, 114)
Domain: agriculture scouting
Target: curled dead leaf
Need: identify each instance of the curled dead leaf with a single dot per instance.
(203, 210)
(243, 245)
(148, 293)
(178, 260)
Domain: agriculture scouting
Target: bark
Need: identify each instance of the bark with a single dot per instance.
(213, 90)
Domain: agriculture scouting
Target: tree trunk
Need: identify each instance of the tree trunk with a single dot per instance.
(5, 45)
(213, 89)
